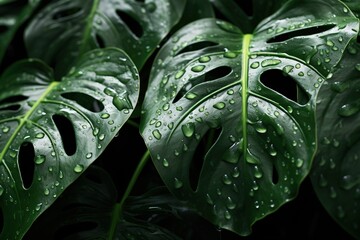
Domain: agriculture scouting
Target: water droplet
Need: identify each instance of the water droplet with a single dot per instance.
(101, 137)
(219, 105)
(260, 128)
(105, 115)
(333, 193)
(322, 181)
(329, 43)
(297, 66)
(156, 133)
(251, 159)
(150, 7)
(88, 155)
(1, 190)
(190, 96)
(270, 62)
(299, 163)
(38, 206)
(165, 163)
(232, 154)
(349, 109)
(288, 68)
(349, 181)
(188, 129)
(121, 103)
(257, 172)
(39, 159)
(78, 168)
(227, 215)
(226, 179)
(179, 74)
(204, 59)
(5, 129)
(230, 55)
(177, 183)
(255, 65)
(46, 191)
(198, 68)
(209, 199)
(357, 66)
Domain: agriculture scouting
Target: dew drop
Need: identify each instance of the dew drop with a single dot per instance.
(40, 135)
(226, 179)
(204, 59)
(78, 168)
(230, 55)
(177, 183)
(46, 192)
(88, 155)
(288, 68)
(121, 103)
(322, 181)
(5, 129)
(39, 159)
(105, 115)
(209, 199)
(299, 163)
(198, 68)
(156, 133)
(257, 172)
(188, 129)
(357, 67)
(251, 159)
(179, 74)
(255, 65)
(1, 190)
(227, 215)
(190, 96)
(260, 128)
(270, 62)
(349, 181)
(340, 212)
(219, 105)
(333, 193)
(165, 163)
(348, 110)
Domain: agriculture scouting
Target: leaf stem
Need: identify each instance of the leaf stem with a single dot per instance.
(119, 206)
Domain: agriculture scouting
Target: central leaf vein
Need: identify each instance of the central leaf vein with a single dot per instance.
(244, 89)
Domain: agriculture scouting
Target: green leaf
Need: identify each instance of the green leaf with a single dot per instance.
(73, 27)
(336, 171)
(87, 210)
(12, 16)
(52, 131)
(211, 79)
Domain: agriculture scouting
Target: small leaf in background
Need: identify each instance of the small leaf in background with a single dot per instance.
(12, 15)
(239, 141)
(52, 131)
(66, 28)
(336, 170)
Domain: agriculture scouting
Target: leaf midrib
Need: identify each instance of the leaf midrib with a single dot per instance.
(244, 89)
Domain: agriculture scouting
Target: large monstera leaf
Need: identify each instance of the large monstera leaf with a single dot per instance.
(52, 131)
(12, 15)
(336, 171)
(73, 27)
(210, 75)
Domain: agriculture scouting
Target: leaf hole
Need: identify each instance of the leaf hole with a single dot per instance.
(64, 13)
(100, 41)
(274, 175)
(131, 23)
(197, 46)
(206, 142)
(246, 6)
(284, 84)
(11, 103)
(27, 163)
(70, 231)
(358, 39)
(85, 101)
(300, 32)
(211, 75)
(67, 133)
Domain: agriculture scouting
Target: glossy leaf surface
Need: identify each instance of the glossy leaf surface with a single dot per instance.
(212, 81)
(336, 170)
(12, 15)
(73, 27)
(52, 131)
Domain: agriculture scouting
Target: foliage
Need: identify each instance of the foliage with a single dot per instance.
(236, 103)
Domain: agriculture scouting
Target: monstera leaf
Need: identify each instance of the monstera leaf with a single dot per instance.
(210, 75)
(73, 27)
(52, 131)
(12, 15)
(336, 171)
(88, 210)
